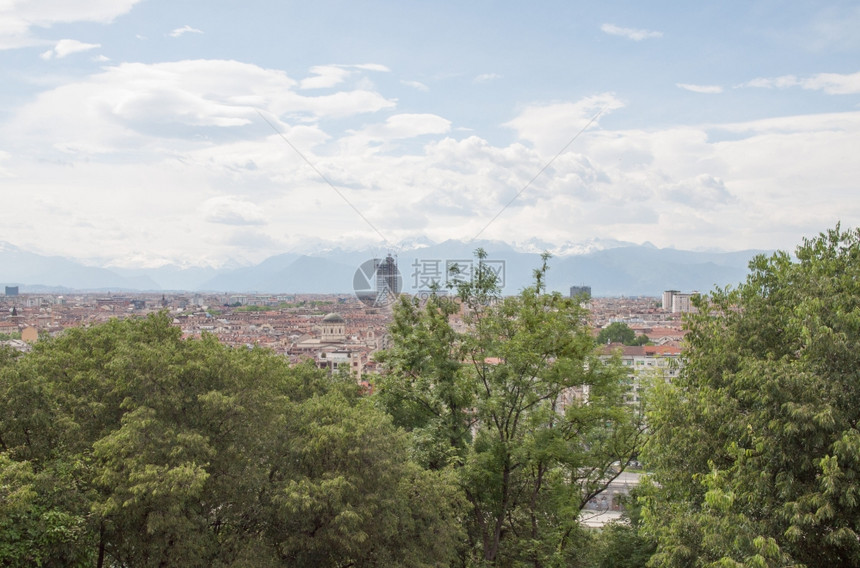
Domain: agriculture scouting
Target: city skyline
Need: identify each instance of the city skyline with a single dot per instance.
(139, 133)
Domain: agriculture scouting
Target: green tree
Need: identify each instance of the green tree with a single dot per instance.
(619, 545)
(347, 493)
(40, 522)
(756, 447)
(517, 404)
(620, 332)
(125, 445)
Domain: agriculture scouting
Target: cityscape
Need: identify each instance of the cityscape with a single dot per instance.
(341, 333)
(399, 284)
(328, 329)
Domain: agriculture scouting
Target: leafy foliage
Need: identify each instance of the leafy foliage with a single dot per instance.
(512, 400)
(620, 332)
(125, 445)
(756, 446)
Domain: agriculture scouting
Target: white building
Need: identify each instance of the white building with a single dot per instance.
(677, 302)
(644, 364)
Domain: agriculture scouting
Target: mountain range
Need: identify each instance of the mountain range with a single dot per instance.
(611, 268)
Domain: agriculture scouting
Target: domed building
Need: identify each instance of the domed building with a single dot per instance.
(333, 329)
(332, 349)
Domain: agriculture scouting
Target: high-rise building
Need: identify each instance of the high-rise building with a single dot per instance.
(667, 299)
(388, 281)
(576, 291)
(11, 290)
(676, 302)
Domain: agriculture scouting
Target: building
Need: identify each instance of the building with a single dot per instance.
(11, 290)
(333, 329)
(388, 281)
(677, 302)
(644, 364)
(607, 506)
(667, 299)
(352, 361)
(577, 291)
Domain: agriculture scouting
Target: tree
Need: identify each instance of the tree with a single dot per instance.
(620, 332)
(125, 445)
(40, 524)
(621, 544)
(517, 404)
(347, 492)
(755, 446)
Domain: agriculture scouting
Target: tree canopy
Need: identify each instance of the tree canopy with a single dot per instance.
(493, 423)
(125, 445)
(620, 332)
(510, 397)
(756, 447)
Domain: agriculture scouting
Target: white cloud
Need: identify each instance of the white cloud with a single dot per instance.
(372, 67)
(232, 210)
(550, 126)
(415, 85)
(201, 172)
(486, 77)
(325, 76)
(184, 30)
(773, 82)
(705, 89)
(703, 190)
(830, 83)
(401, 126)
(630, 33)
(340, 104)
(136, 104)
(834, 83)
(4, 173)
(17, 18)
(66, 47)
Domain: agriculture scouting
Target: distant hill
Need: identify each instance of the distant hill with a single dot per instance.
(55, 273)
(647, 271)
(619, 269)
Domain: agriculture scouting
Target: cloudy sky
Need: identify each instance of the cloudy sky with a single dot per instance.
(139, 132)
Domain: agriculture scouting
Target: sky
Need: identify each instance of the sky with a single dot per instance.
(144, 132)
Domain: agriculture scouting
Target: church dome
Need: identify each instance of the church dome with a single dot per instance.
(334, 318)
